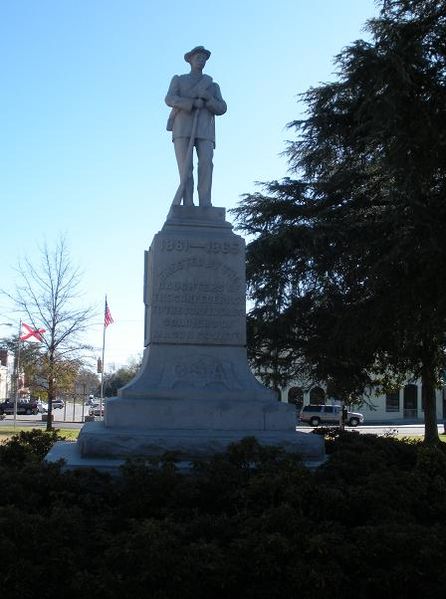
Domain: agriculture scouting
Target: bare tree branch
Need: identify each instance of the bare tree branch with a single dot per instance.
(47, 294)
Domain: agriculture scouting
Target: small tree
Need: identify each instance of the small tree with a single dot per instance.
(87, 382)
(115, 379)
(47, 293)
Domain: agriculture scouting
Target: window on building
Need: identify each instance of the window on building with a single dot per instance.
(317, 396)
(410, 401)
(393, 401)
(296, 396)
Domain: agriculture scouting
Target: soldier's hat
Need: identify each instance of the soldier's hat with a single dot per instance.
(195, 50)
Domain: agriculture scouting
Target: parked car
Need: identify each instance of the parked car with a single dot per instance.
(23, 407)
(42, 406)
(58, 404)
(314, 415)
(96, 410)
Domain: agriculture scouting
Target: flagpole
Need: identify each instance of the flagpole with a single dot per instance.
(108, 319)
(101, 399)
(17, 376)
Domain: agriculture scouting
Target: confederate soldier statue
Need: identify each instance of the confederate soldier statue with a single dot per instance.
(195, 100)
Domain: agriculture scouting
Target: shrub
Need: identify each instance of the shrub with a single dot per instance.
(27, 445)
(252, 523)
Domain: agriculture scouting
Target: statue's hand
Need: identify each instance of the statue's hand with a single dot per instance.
(206, 95)
(198, 103)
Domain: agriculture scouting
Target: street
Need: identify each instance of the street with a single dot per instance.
(72, 416)
(383, 429)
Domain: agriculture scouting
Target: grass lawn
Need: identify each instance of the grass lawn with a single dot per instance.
(71, 434)
(6, 432)
(418, 437)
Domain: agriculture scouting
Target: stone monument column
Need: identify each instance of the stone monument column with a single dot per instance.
(195, 313)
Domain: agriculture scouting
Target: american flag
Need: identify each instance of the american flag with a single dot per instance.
(108, 318)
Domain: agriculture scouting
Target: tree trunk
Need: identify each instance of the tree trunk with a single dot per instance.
(49, 416)
(430, 405)
(51, 393)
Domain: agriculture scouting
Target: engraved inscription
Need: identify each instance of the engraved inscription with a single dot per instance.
(198, 297)
(209, 247)
(201, 371)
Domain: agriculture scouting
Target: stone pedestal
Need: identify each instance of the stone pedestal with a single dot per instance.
(195, 392)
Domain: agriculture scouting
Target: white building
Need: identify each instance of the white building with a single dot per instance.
(4, 383)
(6, 373)
(404, 405)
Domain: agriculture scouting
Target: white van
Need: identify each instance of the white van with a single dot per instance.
(314, 415)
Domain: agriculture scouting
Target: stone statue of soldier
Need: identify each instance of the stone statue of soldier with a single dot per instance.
(195, 99)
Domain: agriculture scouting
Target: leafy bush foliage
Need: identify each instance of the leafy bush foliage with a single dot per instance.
(27, 446)
(252, 523)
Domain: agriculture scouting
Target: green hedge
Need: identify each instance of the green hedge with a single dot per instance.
(252, 523)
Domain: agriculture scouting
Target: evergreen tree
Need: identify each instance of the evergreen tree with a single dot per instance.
(349, 257)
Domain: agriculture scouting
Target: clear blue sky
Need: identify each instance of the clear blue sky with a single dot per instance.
(84, 151)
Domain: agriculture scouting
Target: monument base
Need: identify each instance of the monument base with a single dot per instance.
(106, 450)
(195, 372)
(97, 440)
(200, 414)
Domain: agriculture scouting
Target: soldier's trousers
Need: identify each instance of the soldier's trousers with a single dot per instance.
(205, 152)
